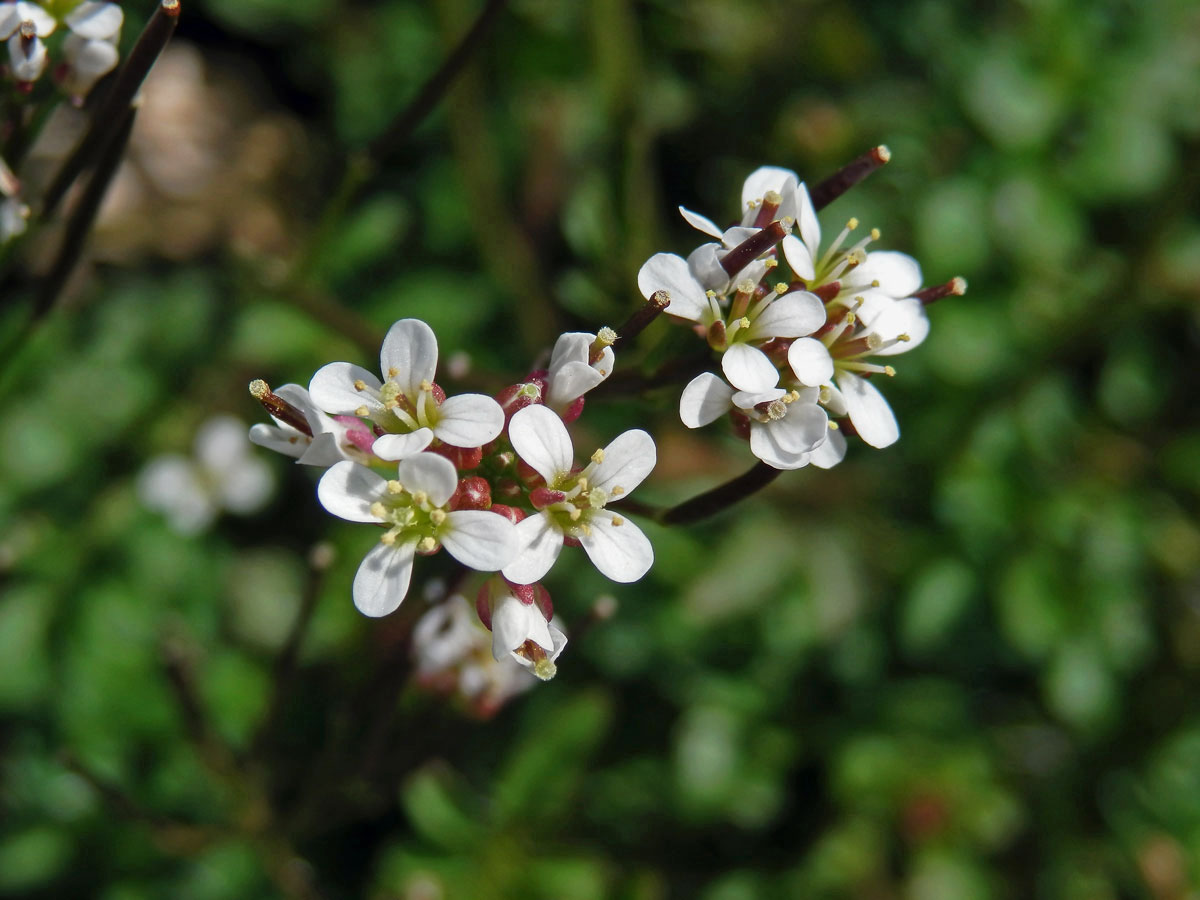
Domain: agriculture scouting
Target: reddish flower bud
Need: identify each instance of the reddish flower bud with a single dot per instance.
(512, 513)
(464, 458)
(472, 493)
(541, 497)
(573, 411)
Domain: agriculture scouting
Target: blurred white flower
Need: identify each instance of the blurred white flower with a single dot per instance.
(413, 507)
(572, 505)
(580, 362)
(521, 620)
(222, 475)
(407, 405)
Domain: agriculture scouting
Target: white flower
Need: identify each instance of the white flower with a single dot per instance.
(522, 624)
(786, 427)
(224, 475)
(90, 52)
(331, 441)
(414, 508)
(877, 326)
(580, 361)
(573, 503)
(407, 404)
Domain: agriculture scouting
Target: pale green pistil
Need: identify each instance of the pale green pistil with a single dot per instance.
(573, 514)
(412, 517)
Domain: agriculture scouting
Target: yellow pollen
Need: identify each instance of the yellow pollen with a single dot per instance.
(545, 669)
(393, 372)
(834, 426)
(876, 234)
(378, 510)
(387, 538)
(420, 498)
(359, 384)
(361, 411)
(793, 396)
(852, 224)
(617, 520)
(617, 491)
(395, 487)
(889, 371)
(744, 322)
(903, 337)
(427, 545)
(391, 404)
(745, 287)
(773, 198)
(770, 263)
(586, 529)
(606, 336)
(426, 386)
(259, 389)
(437, 516)
(780, 287)
(711, 295)
(583, 485)
(575, 514)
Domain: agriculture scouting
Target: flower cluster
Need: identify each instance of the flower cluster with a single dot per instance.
(492, 481)
(495, 481)
(88, 53)
(796, 352)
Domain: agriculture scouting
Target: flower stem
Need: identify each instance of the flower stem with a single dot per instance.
(721, 497)
(848, 176)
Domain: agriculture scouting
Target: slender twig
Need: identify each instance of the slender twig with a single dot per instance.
(218, 757)
(721, 497)
(645, 314)
(848, 176)
(435, 88)
(83, 216)
(109, 115)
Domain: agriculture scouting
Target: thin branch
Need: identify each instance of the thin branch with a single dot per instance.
(721, 497)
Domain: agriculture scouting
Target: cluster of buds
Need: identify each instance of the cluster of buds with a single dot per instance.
(495, 481)
(88, 52)
(492, 481)
(796, 350)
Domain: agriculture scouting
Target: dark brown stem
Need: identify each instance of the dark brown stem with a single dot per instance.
(646, 313)
(279, 408)
(752, 248)
(955, 287)
(721, 497)
(433, 90)
(848, 176)
(83, 216)
(109, 115)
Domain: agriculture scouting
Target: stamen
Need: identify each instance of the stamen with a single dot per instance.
(361, 412)
(392, 372)
(598, 457)
(395, 487)
(359, 384)
(617, 521)
(427, 545)
(437, 516)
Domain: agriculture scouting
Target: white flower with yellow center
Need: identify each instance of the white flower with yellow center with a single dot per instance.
(580, 362)
(412, 508)
(406, 404)
(573, 504)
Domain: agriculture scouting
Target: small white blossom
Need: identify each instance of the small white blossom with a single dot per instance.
(413, 507)
(406, 404)
(580, 361)
(522, 628)
(223, 475)
(332, 439)
(573, 504)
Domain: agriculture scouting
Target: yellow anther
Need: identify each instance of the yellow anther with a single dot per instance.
(586, 529)
(359, 384)
(617, 520)
(420, 498)
(395, 487)
(583, 485)
(361, 411)
(378, 510)
(852, 224)
(770, 263)
(427, 545)
(903, 337)
(874, 282)
(598, 457)
(437, 516)
(889, 371)
(426, 386)
(575, 514)
(744, 322)
(834, 426)
(617, 491)
(392, 372)
(773, 198)
(876, 234)
(388, 537)
(711, 295)
(781, 288)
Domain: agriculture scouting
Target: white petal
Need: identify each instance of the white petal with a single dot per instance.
(670, 273)
(572, 346)
(801, 430)
(394, 447)
(428, 472)
(768, 178)
(514, 623)
(285, 440)
(748, 368)
(621, 552)
(700, 223)
(27, 62)
(749, 399)
(347, 490)
(704, 400)
(323, 452)
(87, 61)
(247, 487)
(409, 355)
(482, 540)
(10, 20)
(799, 258)
(172, 486)
(831, 451)
(898, 274)
(572, 381)
(766, 448)
(541, 440)
(222, 445)
(469, 420)
(705, 265)
(95, 21)
(382, 578)
(869, 411)
(628, 459)
(790, 316)
(806, 222)
(332, 389)
(810, 361)
(900, 317)
(43, 22)
(538, 546)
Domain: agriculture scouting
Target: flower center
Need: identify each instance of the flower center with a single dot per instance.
(574, 513)
(411, 516)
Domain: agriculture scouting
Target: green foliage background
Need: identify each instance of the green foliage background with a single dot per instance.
(964, 667)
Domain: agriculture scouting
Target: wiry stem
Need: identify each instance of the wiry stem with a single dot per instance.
(848, 176)
(955, 287)
(721, 497)
(646, 313)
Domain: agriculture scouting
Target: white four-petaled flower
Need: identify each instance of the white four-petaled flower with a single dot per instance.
(573, 504)
(406, 404)
(413, 507)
